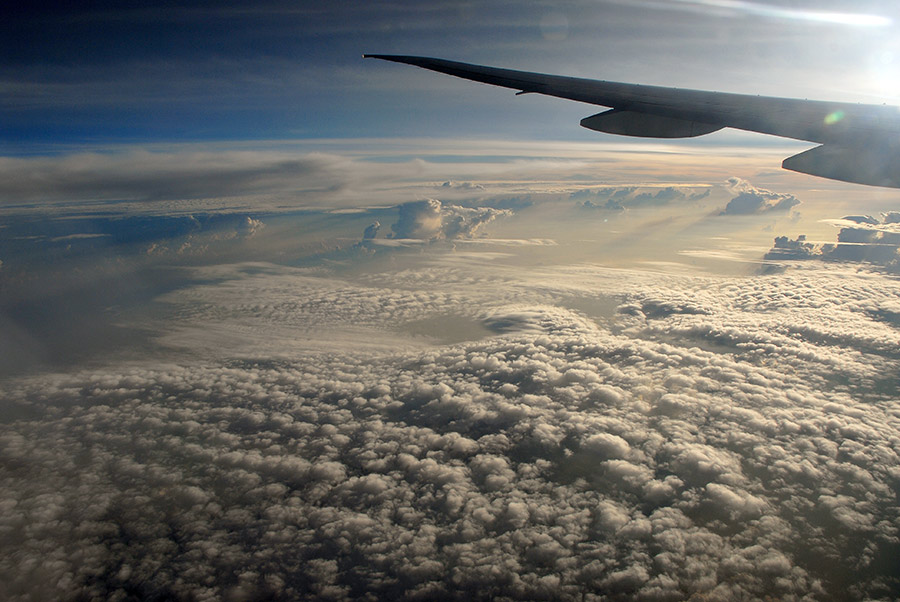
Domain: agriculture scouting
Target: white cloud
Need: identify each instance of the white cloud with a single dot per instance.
(429, 219)
(752, 200)
(419, 219)
(861, 239)
(619, 199)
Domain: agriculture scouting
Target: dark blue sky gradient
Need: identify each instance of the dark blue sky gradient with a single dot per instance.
(132, 72)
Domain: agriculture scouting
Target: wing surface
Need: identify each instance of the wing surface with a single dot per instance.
(861, 142)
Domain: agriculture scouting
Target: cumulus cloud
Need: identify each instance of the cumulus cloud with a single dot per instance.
(797, 248)
(249, 226)
(430, 219)
(619, 199)
(468, 186)
(205, 237)
(751, 200)
(891, 217)
(861, 239)
(726, 447)
(371, 230)
(419, 219)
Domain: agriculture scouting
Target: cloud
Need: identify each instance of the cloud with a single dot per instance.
(866, 219)
(751, 200)
(621, 198)
(278, 176)
(724, 447)
(250, 227)
(798, 248)
(430, 219)
(419, 219)
(371, 230)
(466, 186)
(861, 239)
(268, 176)
(143, 175)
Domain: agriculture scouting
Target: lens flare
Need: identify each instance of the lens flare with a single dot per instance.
(833, 118)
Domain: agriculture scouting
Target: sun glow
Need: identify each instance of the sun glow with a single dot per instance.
(765, 10)
(884, 72)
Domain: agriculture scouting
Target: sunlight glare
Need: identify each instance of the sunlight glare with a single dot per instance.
(883, 73)
(765, 10)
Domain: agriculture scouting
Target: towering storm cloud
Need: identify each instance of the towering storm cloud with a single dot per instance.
(430, 219)
(419, 219)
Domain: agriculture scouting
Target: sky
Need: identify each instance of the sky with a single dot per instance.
(280, 322)
(132, 72)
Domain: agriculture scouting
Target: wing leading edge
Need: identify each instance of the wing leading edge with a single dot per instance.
(859, 143)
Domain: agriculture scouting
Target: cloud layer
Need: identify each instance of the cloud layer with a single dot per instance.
(707, 438)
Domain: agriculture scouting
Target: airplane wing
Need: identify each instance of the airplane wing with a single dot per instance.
(858, 143)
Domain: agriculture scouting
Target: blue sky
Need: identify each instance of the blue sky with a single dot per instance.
(134, 73)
